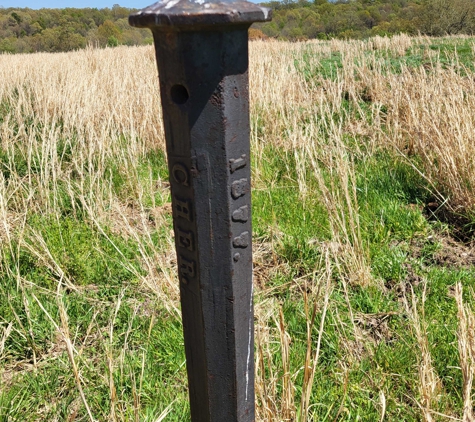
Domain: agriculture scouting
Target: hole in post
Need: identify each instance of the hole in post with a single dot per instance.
(179, 94)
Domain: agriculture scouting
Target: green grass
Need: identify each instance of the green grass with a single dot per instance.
(391, 195)
(327, 67)
(448, 52)
(146, 344)
(94, 273)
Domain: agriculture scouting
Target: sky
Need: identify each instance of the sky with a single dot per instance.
(38, 4)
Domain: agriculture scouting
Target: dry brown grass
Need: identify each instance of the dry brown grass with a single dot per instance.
(429, 384)
(428, 110)
(466, 345)
(91, 103)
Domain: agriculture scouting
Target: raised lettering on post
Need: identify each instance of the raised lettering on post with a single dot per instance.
(239, 188)
(241, 241)
(180, 174)
(185, 239)
(241, 214)
(237, 163)
(186, 269)
(182, 208)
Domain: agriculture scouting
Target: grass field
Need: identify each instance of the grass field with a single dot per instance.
(363, 214)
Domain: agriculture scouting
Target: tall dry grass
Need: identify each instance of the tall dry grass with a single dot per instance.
(69, 116)
(466, 346)
(429, 384)
(428, 110)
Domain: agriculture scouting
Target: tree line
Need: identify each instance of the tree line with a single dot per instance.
(304, 19)
(53, 30)
(24, 30)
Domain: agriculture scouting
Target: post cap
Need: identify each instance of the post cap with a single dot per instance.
(198, 13)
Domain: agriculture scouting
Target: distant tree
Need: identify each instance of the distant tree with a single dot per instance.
(70, 40)
(120, 12)
(28, 30)
(311, 25)
(8, 45)
(16, 16)
(108, 34)
(442, 17)
(35, 28)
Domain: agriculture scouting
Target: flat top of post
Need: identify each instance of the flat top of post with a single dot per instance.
(186, 13)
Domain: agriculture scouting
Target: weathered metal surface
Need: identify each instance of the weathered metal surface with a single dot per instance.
(179, 14)
(202, 57)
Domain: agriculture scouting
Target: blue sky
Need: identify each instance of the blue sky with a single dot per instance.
(38, 4)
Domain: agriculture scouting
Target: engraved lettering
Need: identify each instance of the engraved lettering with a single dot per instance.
(241, 214)
(187, 269)
(241, 241)
(239, 188)
(236, 256)
(180, 174)
(182, 208)
(237, 163)
(185, 239)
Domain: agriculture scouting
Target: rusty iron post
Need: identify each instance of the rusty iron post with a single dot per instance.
(202, 57)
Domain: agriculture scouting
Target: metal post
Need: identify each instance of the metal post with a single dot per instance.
(202, 56)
